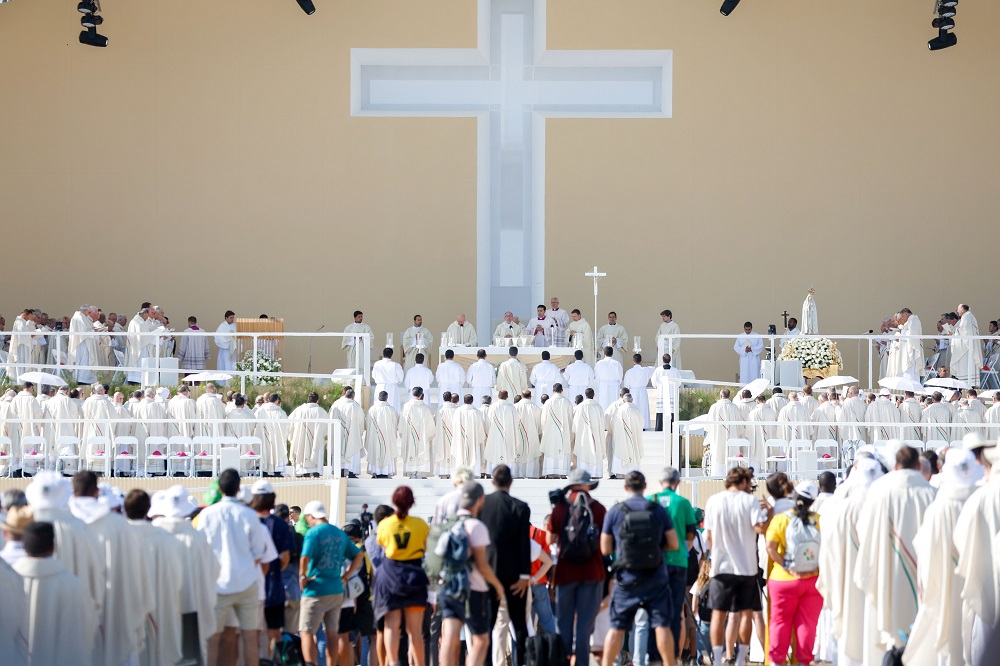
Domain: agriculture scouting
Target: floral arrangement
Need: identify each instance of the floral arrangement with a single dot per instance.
(814, 353)
(265, 363)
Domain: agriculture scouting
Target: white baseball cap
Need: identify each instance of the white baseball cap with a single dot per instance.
(262, 487)
(315, 509)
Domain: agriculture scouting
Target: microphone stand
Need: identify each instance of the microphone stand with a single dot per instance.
(310, 369)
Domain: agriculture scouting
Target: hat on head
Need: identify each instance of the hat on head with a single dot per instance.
(885, 391)
(49, 490)
(471, 492)
(867, 470)
(163, 393)
(244, 494)
(974, 440)
(992, 455)
(17, 519)
(174, 502)
(315, 509)
(113, 496)
(262, 487)
(961, 469)
(580, 477)
(807, 490)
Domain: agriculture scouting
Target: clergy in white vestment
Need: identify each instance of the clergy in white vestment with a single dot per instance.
(307, 437)
(468, 436)
(910, 417)
(636, 380)
(542, 328)
(578, 376)
(14, 629)
(968, 416)
(886, 569)
(184, 411)
(242, 422)
(444, 456)
(139, 343)
(625, 437)
(669, 345)
(508, 329)
(795, 420)
(557, 434)
(353, 344)
(152, 417)
(826, 412)
(192, 350)
(60, 406)
(451, 377)
(562, 319)
(580, 335)
(416, 340)
(503, 426)
(164, 559)
(527, 460)
(83, 347)
(101, 416)
(613, 335)
(225, 340)
(351, 417)
(122, 610)
(381, 425)
(608, 375)
(978, 551)
(966, 352)
(808, 400)
(24, 406)
(274, 431)
(778, 399)
(717, 435)
(910, 350)
(169, 511)
(21, 344)
(758, 433)
(62, 618)
(512, 376)
(748, 347)
(852, 411)
(881, 411)
(935, 419)
(992, 419)
(792, 332)
(936, 638)
(416, 432)
(461, 333)
(388, 376)
(745, 403)
(666, 381)
(543, 376)
(418, 375)
(590, 435)
(976, 404)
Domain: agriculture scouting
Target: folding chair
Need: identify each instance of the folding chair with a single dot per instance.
(205, 454)
(179, 454)
(71, 443)
(6, 459)
(775, 451)
(97, 451)
(738, 452)
(126, 453)
(931, 369)
(914, 444)
(250, 453)
(156, 453)
(936, 445)
(827, 451)
(989, 377)
(849, 449)
(34, 449)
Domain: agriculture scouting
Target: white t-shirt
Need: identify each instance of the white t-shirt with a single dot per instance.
(731, 516)
(479, 537)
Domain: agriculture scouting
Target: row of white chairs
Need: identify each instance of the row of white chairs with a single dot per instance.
(809, 455)
(167, 455)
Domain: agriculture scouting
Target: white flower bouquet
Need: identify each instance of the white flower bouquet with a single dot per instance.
(814, 353)
(265, 363)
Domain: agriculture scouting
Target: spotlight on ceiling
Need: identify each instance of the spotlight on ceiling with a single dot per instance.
(86, 7)
(309, 8)
(943, 23)
(91, 20)
(728, 6)
(91, 38)
(943, 41)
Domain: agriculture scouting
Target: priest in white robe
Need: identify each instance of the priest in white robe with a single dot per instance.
(61, 407)
(21, 344)
(225, 340)
(590, 435)
(669, 345)
(717, 435)
(444, 438)
(881, 411)
(557, 434)
(910, 417)
(992, 419)
(461, 333)
(242, 422)
(416, 340)
(62, 618)
(666, 381)
(636, 380)
(416, 432)
(450, 376)
(528, 455)
(13, 617)
(139, 343)
(808, 400)
(748, 347)
(353, 344)
(152, 417)
(83, 347)
(625, 438)
(192, 350)
(778, 399)
(307, 437)
(543, 376)
(418, 375)
(388, 376)
(966, 351)
(795, 420)
(542, 328)
(562, 319)
(351, 419)
(758, 433)
(910, 359)
(936, 638)
(967, 416)
(578, 376)
(24, 406)
(579, 334)
(615, 336)
(274, 431)
(469, 436)
(936, 419)
(508, 329)
(381, 426)
(184, 412)
(503, 426)
(852, 411)
(608, 375)
(886, 569)
(512, 376)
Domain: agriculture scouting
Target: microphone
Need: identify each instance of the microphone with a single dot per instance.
(310, 369)
(321, 328)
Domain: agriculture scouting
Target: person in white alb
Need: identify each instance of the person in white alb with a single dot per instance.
(542, 328)
(608, 374)
(508, 328)
(670, 346)
(578, 376)
(666, 380)
(481, 378)
(388, 376)
(543, 376)
(418, 375)
(225, 340)
(636, 380)
(450, 376)
(749, 346)
(461, 333)
(353, 345)
(613, 335)
(416, 340)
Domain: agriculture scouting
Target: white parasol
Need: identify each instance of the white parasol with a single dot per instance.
(835, 381)
(901, 384)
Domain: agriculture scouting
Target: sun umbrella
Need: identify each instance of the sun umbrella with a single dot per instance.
(694, 426)
(949, 382)
(756, 387)
(835, 381)
(41, 378)
(208, 377)
(901, 384)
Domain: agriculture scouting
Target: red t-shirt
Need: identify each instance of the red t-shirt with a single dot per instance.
(570, 572)
(541, 538)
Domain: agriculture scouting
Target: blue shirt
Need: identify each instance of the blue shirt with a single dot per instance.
(613, 523)
(326, 546)
(281, 534)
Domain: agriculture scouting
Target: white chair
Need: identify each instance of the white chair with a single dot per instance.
(156, 453)
(72, 443)
(226, 442)
(827, 447)
(775, 451)
(205, 454)
(126, 454)
(250, 453)
(795, 446)
(5, 455)
(880, 446)
(936, 445)
(989, 377)
(179, 455)
(914, 444)
(737, 452)
(34, 449)
(98, 451)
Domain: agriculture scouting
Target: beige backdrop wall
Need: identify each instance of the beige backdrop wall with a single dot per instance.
(211, 162)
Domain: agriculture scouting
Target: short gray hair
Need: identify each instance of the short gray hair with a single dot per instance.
(461, 476)
(670, 476)
(149, 393)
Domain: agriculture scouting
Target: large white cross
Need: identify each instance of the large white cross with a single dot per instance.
(511, 83)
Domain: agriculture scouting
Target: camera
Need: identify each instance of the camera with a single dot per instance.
(772, 329)
(59, 326)
(557, 496)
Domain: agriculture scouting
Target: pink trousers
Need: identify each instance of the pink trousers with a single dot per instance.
(795, 608)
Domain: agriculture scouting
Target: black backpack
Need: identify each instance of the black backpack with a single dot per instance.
(580, 539)
(288, 651)
(545, 650)
(694, 561)
(704, 610)
(640, 534)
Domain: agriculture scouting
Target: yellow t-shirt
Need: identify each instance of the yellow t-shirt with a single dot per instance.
(403, 539)
(776, 533)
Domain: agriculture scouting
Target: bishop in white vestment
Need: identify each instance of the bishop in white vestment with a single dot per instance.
(381, 427)
(748, 347)
(512, 376)
(795, 416)
(469, 436)
(527, 460)
(307, 437)
(83, 348)
(502, 433)
(461, 333)
(13, 617)
(444, 455)
(416, 340)
(910, 350)
(590, 434)
(416, 434)
(882, 410)
(508, 329)
(758, 433)
(718, 434)
(625, 437)
(557, 434)
(274, 431)
(351, 418)
(581, 336)
(852, 410)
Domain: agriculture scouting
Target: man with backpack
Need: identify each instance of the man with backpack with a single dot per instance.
(638, 531)
(575, 525)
